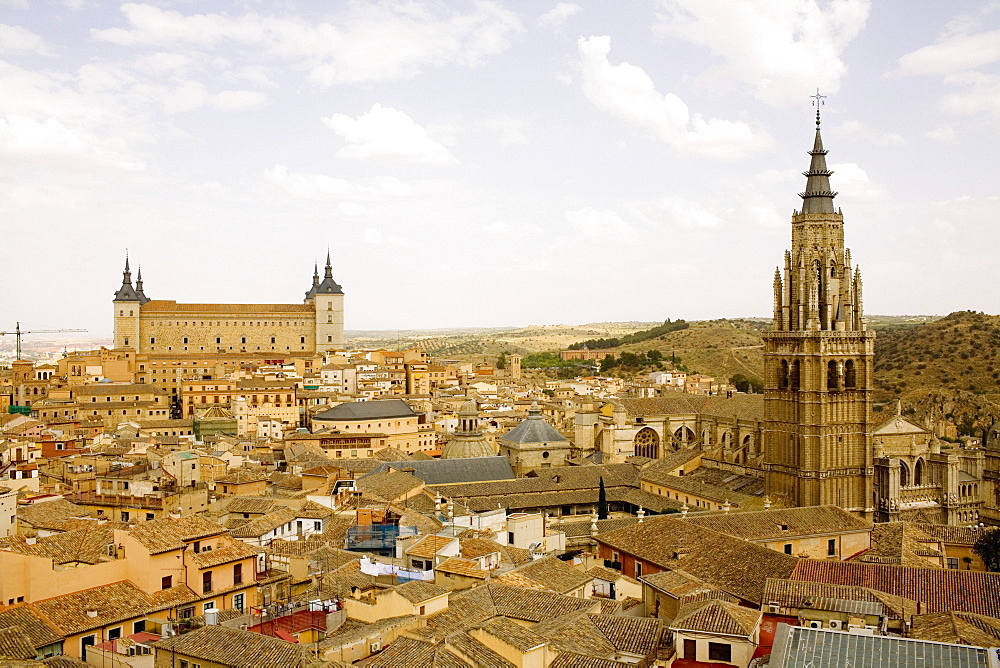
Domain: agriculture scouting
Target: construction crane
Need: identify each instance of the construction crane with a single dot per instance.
(18, 332)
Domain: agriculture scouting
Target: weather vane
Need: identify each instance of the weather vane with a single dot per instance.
(818, 102)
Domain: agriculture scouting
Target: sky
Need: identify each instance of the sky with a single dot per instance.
(490, 163)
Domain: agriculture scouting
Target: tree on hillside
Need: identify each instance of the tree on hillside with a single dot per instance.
(502, 361)
(988, 548)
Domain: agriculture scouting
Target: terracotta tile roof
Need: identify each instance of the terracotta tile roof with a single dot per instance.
(242, 476)
(767, 524)
(259, 526)
(602, 635)
(250, 505)
(464, 567)
(717, 617)
(232, 647)
(16, 644)
(116, 602)
(797, 594)
(962, 628)
(88, 545)
(512, 633)
(478, 547)
(388, 485)
(428, 546)
(173, 596)
(722, 561)
(951, 534)
(473, 606)
(609, 575)
(51, 514)
(413, 653)
(573, 660)
(900, 543)
(167, 534)
(472, 650)
(556, 479)
(938, 590)
(553, 574)
(418, 591)
(37, 629)
(228, 550)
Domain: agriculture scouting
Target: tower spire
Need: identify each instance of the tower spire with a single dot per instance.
(138, 286)
(126, 293)
(818, 197)
(328, 285)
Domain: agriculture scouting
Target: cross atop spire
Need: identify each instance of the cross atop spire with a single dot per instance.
(818, 102)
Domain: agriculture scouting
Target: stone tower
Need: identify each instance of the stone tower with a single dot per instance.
(818, 362)
(514, 361)
(126, 304)
(328, 299)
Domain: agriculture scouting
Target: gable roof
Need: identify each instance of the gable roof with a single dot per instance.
(724, 562)
(717, 617)
(168, 533)
(233, 647)
(767, 524)
(937, 589)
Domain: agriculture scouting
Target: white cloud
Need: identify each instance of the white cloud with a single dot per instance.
(558, 15)
(781, 49)
(368, 42)
(953, 53)
(858, 130)
(229, 100)
(680, 214)
(591, 224)
(353, 209)
(960, 58)
(384, 133)
(323, 187)
(943, 133)
(626, 91)
(509, 130)
(15, 39)
(850, 178)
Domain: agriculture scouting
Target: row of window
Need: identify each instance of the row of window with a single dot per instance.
(838, 377)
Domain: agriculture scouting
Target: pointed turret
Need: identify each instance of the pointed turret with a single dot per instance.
(315, 284)
(126, 293)
(818, 197)
(328, 286)
(138, 287)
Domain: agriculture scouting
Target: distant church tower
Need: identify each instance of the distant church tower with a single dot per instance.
(818, 362)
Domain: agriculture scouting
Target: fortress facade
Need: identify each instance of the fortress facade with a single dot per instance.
(163, 327)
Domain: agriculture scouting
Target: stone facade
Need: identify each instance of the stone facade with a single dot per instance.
(161, 326)
(818, 363)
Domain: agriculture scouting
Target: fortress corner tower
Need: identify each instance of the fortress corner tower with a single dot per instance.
(818, 362)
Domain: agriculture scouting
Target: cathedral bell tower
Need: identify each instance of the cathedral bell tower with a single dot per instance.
(818, 362)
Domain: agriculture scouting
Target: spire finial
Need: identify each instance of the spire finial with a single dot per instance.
(126, 260)
(817, 102)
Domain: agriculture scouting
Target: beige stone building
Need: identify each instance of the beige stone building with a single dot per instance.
(149, 326)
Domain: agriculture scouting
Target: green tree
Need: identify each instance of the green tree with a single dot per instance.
(988, 548)
(654, 356)
(608, 363)
(502, 361)
(602, 501)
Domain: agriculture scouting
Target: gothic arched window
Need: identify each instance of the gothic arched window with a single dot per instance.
(850, 374)
(783, 375)
(904, 475)
(832, 376)
(918, 472)
(794, 376)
